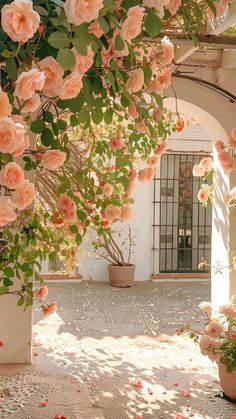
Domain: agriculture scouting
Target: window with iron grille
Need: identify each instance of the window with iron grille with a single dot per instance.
(181, 225)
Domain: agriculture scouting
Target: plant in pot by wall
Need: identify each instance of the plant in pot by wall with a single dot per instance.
(117, 252)
(218, 342)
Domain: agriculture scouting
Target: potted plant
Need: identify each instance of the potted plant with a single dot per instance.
(117, 252)
(218, 342)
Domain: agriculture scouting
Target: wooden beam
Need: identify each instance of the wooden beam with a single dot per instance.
(215, 41)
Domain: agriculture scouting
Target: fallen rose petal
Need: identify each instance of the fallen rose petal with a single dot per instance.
(138, 383)
(218, 382)
(178, 417)
(176, 384)
(1, 344)
(191, 414)
(186, 393)
(150, 391)
(138, 417)
(59, 417)
(44, 404)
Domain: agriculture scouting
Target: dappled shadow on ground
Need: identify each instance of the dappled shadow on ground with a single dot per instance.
(108, 338)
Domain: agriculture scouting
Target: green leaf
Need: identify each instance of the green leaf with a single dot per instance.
(119, 43)
(81, 44)
(74, 229)
(83, 115)
(41, 10)
(47, 137)
(59, 40)
(20, 301)
(7, 282)
(81, 215)
(12, 69)
(104, 25)
(62, 124)
(48, 116)
(78, 239)
(66, 58)
(108, 115)
(97, 115)
(9, 272)
(153, 24)
(74, 121)
(147, 73)
(38, 126)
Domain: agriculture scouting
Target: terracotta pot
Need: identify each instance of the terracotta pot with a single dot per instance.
(228, 382)
(121, 276)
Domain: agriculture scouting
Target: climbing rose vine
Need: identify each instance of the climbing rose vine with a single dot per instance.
(81, 118)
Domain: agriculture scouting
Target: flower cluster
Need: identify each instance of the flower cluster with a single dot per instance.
(205, 170)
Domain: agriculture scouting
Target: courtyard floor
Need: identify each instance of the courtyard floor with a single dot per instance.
(88, 355)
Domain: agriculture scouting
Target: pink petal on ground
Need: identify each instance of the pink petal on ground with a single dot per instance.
(138, 383)
(186, 393)
(150, 391)
(1, 344)
(176, 385)
(44, 404)
(138, 417)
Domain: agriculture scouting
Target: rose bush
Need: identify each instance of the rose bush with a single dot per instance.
(81, 104)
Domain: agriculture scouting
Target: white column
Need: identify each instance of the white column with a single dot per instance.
(223, 284)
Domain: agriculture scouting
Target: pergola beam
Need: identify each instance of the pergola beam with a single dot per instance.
(185, 51)
(215, 41)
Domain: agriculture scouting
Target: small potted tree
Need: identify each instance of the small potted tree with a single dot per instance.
(116, 247)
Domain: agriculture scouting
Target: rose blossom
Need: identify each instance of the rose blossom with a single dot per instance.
(5, 107)
(180, 123)
(132, 25)
(162, 81)
(150, 173)
(80, 11)
(130, 190)
(52, 159)
(204, 193)
(161, 148)
(24, 195)
(71, 86)
(206, 307)
(173, 6)
(133, 175)
(96, 29)
(50, 309)
(112, 212)
(116, 143)
(219, 145)
(154, 161)
(126, 213)
(7, 214)
(157, 114)
(65, 202)
(107, 189)
(20, 150)
(214, 330)
(11, 135)
(168, 51)
(225, 160)
(31, 105)
(106, 223)
(83, 62)
(141, 127)
(135, 81)
(158, 4)
(132, 111)
(19, 20)
(207, 345)
(228, 311)
(53, 76)
(70, 214)
(28, 82)
(206, 163)
(42, 293)
(12, 176)
(198, 170)
(232, 138)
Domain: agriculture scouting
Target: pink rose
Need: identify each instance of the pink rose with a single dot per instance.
(31, 105)
(71, 86)
(7, 214)
(219, 145)
(133, 23)
(80, 11)
(116, 143)
(83, 62)
(19, 20)
(126, 213)
(132, 111)
(162, 81)
(42, 293)
(168, 51)
(96, 29)
(20, 150)
(198, 170)
(161, 148)
(24, 195)
(214, 330)
(153, 161)
(141, 127)
(150, 173)
(135, 81)
(12, 176)
(11, 135)
(130, 190)
(226, 161)
(107, 189)
(180, 123)
(232, 138)
(50, 309)
(28, 82)
(157, 114)
(204, 193)
(65, 202)
(158, 4)
(53, 73)
(173, 6)
(112, 212)
(70, 214)
(52, 159)
(5, 107)
(133, 175)
(206, 163)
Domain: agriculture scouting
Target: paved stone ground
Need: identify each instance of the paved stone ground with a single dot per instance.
(88, 355)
